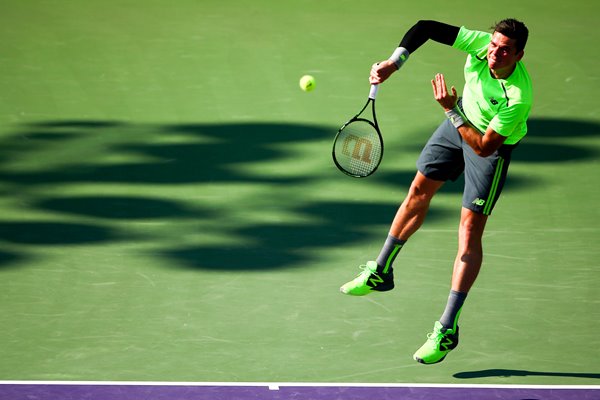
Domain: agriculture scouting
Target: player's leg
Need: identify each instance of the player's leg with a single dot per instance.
(440, 160)
(378, 275)
(413, 210)
(470, 251)
(484, 179)
(467, 264)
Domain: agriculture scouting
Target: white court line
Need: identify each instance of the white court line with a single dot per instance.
(277, 385)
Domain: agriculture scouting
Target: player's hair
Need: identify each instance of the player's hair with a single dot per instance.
(513, 29)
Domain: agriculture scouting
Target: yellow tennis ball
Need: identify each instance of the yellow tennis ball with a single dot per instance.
(307, 83)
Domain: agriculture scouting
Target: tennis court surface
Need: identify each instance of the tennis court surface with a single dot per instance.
(170, 211)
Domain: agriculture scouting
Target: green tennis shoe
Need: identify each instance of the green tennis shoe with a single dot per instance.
(369, 280)
(439, 343)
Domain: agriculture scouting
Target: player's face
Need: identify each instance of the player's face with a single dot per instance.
(502, 53)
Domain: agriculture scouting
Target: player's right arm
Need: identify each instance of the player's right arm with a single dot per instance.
(483, 145)
(416, 36)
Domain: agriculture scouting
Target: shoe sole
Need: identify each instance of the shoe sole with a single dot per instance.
(420, 360)
(387, 289)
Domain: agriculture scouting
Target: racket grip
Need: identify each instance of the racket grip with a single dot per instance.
(373, 92)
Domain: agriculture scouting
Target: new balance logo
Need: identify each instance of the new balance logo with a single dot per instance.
(446, 344)
(478, 202)
(375, 279)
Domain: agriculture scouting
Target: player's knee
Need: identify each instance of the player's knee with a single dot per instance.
(418, 193)
(472, 224)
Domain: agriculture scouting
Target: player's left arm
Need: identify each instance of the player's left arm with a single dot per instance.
(483, 145)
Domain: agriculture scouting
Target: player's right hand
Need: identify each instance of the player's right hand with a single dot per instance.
(381, 71)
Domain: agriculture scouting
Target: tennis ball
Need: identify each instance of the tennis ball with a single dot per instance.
(307, 83)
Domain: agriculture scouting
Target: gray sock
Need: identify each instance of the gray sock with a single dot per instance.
(388, 254)
(456, 300)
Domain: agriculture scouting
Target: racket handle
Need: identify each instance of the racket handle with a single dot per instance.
(373, 92)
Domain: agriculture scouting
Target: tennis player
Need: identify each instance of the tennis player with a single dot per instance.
(480, 132)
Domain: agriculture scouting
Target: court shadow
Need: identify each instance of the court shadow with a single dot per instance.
(65, 154)
(530, 151)
(8, 258)
(492, 373)
(77, 124)
(395, 178)
(404, 179)
(561, 128)
(270, 246)
(120, 207)
(52, 233)
(542, 143)
(202, 152)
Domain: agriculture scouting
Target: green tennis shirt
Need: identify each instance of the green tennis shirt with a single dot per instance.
(501, 104)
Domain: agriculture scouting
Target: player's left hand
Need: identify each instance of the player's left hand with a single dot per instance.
(440, 92)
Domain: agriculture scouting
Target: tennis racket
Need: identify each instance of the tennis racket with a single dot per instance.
(358, 145)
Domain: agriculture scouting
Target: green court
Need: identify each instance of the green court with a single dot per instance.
(170, 210)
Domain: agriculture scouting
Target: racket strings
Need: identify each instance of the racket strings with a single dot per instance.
(358, 148)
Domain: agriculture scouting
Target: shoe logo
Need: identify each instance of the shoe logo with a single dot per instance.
(375, 279)
(446, 343)
(478, 202)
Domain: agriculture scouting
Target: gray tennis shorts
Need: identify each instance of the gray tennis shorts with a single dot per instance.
(446, 156)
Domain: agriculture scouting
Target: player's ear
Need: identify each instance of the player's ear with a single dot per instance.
(520, 55)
